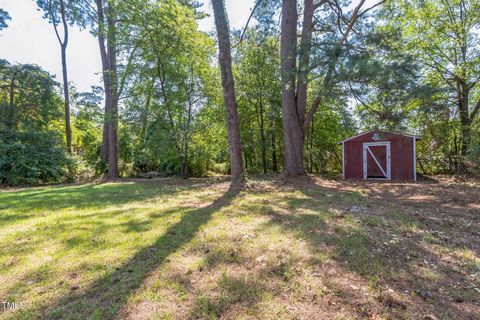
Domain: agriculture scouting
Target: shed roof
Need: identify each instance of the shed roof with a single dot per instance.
(367, 132)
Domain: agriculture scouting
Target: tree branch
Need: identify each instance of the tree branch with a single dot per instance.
(372, 7)
(318, 99)
(475, 111)
(318, 5)
(65, 24)
(54, 22)
(352, 20)
(127, 70)
(246, 25)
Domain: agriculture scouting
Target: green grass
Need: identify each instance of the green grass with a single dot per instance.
(404, 223)
(60, 240)
(175, 249)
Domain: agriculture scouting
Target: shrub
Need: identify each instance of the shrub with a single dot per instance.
(474, 160)
(32, 157)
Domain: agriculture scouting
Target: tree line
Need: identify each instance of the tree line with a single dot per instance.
(277, 95)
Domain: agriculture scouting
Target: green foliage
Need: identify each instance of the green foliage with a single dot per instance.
(31, 148)
(400, 69)
(52, 12)
(474, 155)
(444, 36)
(28, 97)
(87, 129)
(174, 74)
(258, 93)
(4, 17)
(385, 81)
(330, 125)
(32, 157)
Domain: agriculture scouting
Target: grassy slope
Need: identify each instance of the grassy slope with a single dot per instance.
(307, 248)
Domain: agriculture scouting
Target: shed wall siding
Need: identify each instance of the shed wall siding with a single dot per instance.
(401, 148)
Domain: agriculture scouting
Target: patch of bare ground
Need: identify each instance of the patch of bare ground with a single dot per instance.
(303, 248)
(312, 248)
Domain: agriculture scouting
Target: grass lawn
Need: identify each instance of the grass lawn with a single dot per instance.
(307, 248)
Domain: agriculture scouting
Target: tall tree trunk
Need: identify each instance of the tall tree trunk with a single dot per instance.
(465, 122)
(272, 116)
(245, 160)
(274, 147)
(184, 164)
(263, 138)
(296, 120)
(11, 103)
(66, 94)
(144, 115)
(456, 158)
(106, 77)
(225, 61)
(312, 132)
(304, 60)
(186, 135)
(63, 47)
(108, 56)
(274, 154)
(292, 131)
(113, 119)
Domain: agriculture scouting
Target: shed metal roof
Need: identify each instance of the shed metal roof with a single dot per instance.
(367, 132)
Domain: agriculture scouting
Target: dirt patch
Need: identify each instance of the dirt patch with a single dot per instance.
(303, 248)
(426, 236)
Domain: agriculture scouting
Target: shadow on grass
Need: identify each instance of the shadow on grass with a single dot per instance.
(234, 289)
(105, 297)
(404, 264)
(98, 195)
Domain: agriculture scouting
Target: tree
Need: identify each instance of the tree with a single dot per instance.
(385, 81)
(225, 62)
(87, 123)
(444, 34)
(4, 17)
(258, 83)
(295, 76)
(107, 37)
(30, 112)
(55, 12)
(109, 21)
(28, 97)
(172, 72)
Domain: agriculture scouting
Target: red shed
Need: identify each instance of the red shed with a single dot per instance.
(380, 155)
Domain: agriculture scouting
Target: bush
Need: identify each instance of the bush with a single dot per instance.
(474, 160)
(32, 157)
(82, 170)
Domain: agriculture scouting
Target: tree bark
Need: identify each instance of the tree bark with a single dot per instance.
(273, 141)
(186, 135)
(304, 59)
(263, 139)
(145, 114)
(274, 154)
(113, 119)
(296, 120)
(466, 124)
(106, 78)
(259, 113)
(108, 56)
(225, 61)
(68, 130)
(11, 103)
(63, 46)
(292, 132)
